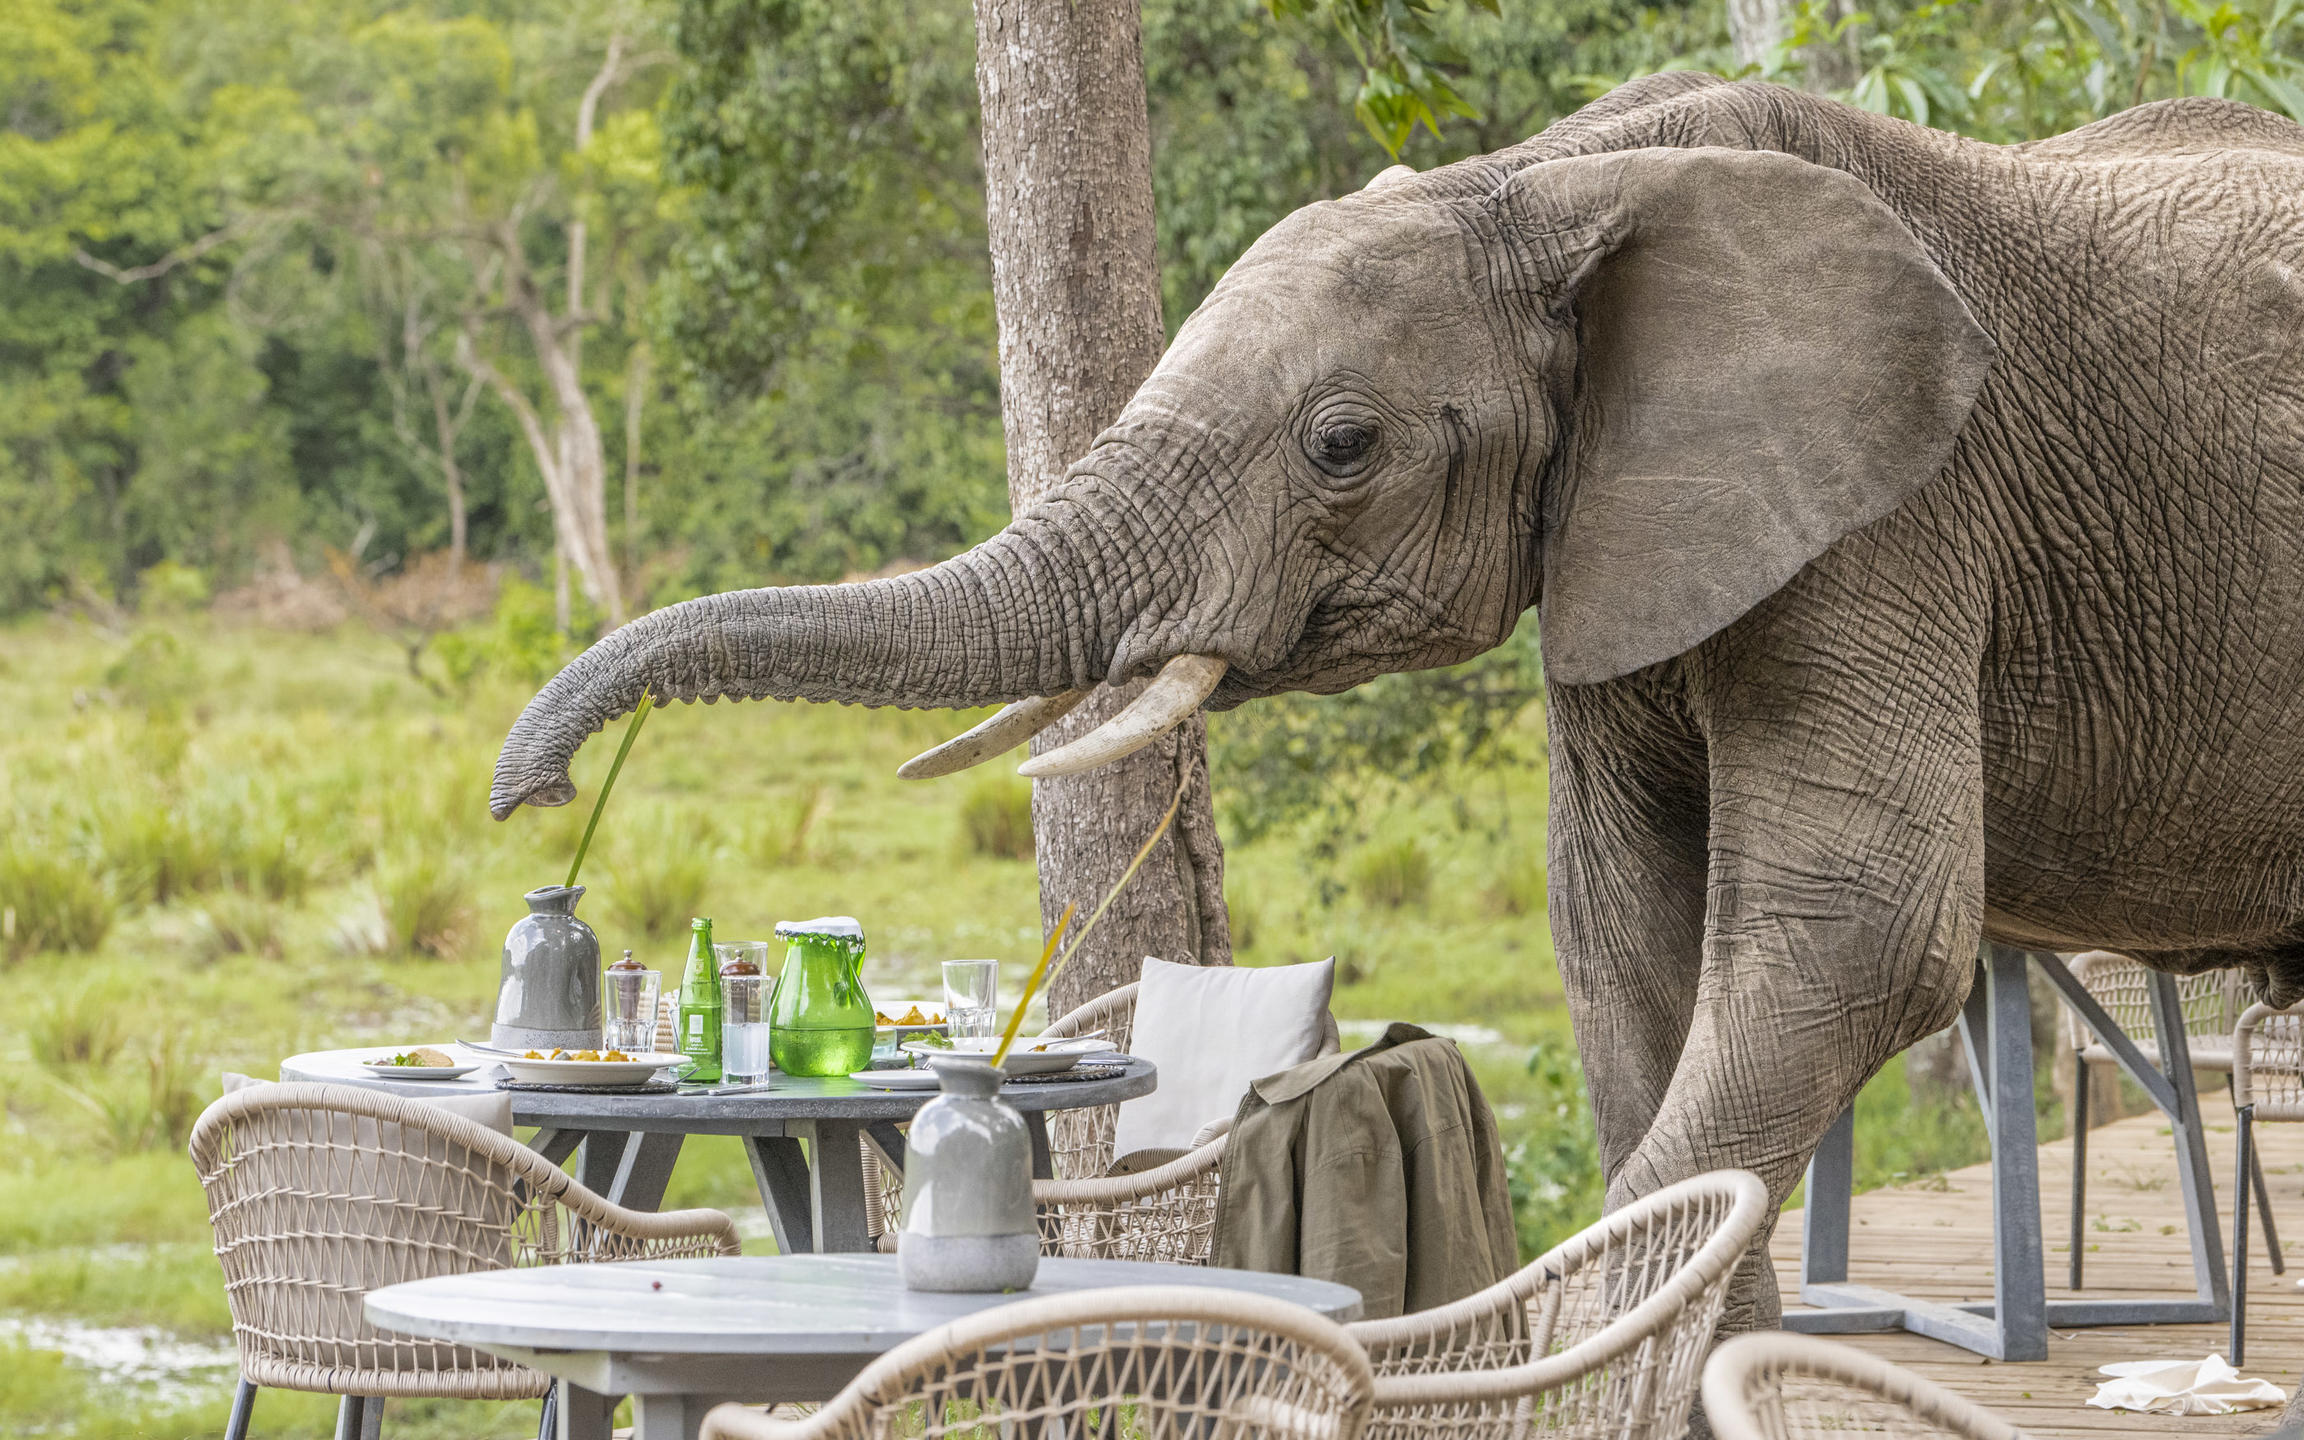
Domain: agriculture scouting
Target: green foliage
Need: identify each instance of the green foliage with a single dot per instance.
(2006, 70)
(996, 818)
(1406, 64)
(1297, 755)
(1552, 1162)
(521, 641)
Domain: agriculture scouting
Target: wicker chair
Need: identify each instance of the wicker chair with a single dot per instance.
(1151, 1360)
(1775, 1386)
(1603, 1336)
(2212, 1002)
(2267, 1084)
(319, 1194)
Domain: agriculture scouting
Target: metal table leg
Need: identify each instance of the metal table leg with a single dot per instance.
(1997, 1025)
(584, 1415)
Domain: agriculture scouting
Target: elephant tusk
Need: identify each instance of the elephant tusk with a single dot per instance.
(1004, 731)
(1167, 702)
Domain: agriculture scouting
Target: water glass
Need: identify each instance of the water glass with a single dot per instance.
(972, 997)
(744, 1027)
(628, 1009)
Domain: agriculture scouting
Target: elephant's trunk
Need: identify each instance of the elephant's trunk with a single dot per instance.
(1017, 616)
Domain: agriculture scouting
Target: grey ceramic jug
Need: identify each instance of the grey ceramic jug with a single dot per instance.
(968, 1223)
(549, 995)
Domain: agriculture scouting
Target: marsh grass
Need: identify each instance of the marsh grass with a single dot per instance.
(1393, 874)
(996, 818)
(659, 875)
(425, 901)
(77, 1027)
(50, 900)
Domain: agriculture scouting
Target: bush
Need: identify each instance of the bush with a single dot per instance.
(1393, 875)
(996, 818)
(426, 903)
(50, 902)
(1551, 1156)
(521, 641)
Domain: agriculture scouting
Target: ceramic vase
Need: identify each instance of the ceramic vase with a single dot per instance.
(549, 993)
(968, 1222)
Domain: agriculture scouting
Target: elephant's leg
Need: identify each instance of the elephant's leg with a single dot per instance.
(1627, 863)
(1844, 909)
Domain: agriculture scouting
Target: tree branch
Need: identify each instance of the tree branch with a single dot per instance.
(184, 256)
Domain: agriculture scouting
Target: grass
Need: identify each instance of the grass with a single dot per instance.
(229, 846)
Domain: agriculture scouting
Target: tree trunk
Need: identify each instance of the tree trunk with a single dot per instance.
(1068, 188)
(1755, 27)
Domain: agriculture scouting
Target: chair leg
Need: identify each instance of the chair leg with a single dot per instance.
(548, 1424)
(2264, 1211)
(2081, 1075)
(2245, 1124)
(243, 1406)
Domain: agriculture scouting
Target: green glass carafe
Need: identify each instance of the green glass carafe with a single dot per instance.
(821, 1016)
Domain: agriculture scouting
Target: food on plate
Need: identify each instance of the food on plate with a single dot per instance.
(616, 1057)
(909, 1017)
(423, 1057)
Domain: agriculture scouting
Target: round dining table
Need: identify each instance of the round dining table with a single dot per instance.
(800, 1133)
(680, 1336)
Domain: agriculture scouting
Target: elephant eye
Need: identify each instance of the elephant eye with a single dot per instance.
(1340, 447)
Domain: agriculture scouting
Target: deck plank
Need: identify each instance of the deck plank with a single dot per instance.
(1933, 1240)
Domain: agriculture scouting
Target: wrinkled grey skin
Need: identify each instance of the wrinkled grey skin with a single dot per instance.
(1916, 527)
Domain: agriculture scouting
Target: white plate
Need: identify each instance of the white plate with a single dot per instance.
(637, 1071)
(896, 1079)
(419, 1072)
(1061, 1054)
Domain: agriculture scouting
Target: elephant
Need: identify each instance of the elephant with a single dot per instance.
(1915, 529)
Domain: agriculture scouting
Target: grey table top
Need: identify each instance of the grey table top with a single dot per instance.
(790, 1098)
(791, 1305)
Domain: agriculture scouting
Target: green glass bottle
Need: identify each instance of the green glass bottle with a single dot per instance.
(700, 1006)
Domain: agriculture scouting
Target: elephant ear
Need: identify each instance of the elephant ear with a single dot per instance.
(1767, 361)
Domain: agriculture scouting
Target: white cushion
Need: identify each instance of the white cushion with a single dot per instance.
(1213, 1030)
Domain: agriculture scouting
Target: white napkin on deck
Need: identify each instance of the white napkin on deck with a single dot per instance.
(2183, 1387)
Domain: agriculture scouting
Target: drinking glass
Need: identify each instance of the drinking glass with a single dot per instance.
(745, 986)
(972, 997)
(628, 1009)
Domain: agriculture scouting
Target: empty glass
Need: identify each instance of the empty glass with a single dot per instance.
(744, 1030)
(972, 997)
(628, 1008)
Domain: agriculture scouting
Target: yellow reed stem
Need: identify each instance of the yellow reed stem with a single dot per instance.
(1032, 985)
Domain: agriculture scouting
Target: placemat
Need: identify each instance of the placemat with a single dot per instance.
(652, 1087)
(1077, 1072)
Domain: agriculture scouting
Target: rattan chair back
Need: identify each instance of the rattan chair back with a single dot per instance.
(1774, 1386)
(1161, 1362)
(1604, 1335)
(319, 1194)
(2212, 1002)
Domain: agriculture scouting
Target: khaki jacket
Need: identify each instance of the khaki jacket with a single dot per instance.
(1379, 1169)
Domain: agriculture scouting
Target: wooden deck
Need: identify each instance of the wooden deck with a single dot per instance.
(1934, 1241)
